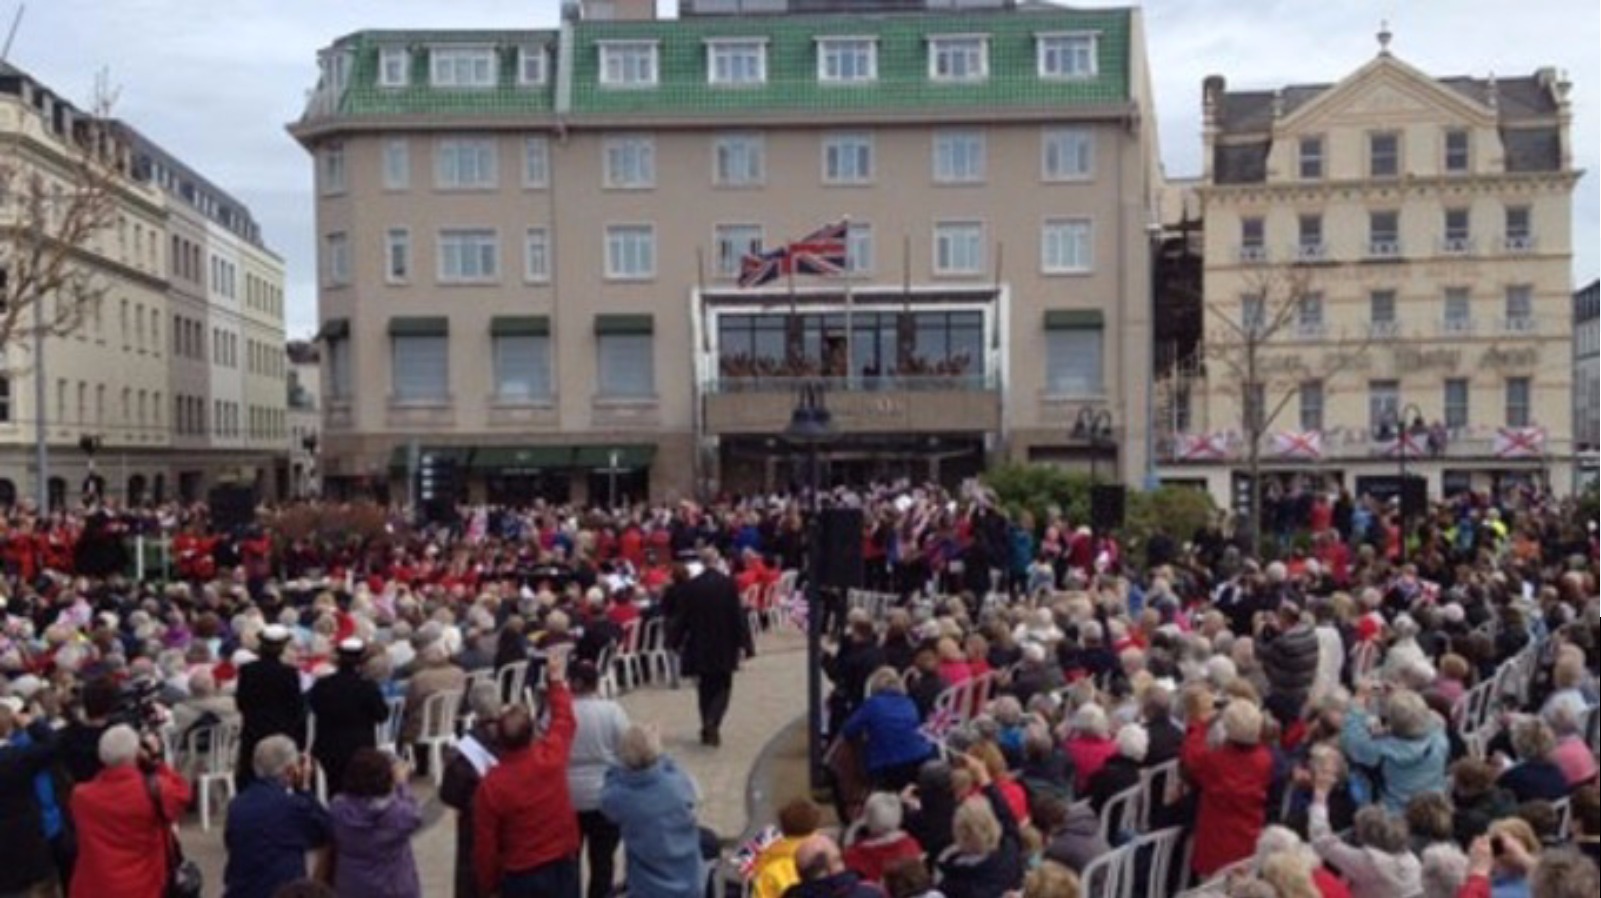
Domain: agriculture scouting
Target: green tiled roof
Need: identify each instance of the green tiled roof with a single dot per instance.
(902, 85)
(366, 99)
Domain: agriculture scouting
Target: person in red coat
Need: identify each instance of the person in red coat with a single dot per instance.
(1232, 779)
(122, 844)
(525, 831)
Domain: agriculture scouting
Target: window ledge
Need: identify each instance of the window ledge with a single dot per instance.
(626, 401)
(520, 402)
(1066, 272)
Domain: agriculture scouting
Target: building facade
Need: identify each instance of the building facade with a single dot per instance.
(113, 382)
(531, 243)
(304, 390)
(1387, 266)
(1586, 383)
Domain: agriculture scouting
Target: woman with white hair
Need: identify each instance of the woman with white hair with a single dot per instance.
(1232, 779)
(434, 674)
(124, 831)
(1381, 864)
(1090, 746)
(1121, 771)
(1412, 755)
(1277, 841)
(890, 725)
(877, 840)
(652, 803)
(1536, 777)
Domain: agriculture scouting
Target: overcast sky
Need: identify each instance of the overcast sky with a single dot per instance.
(215, 81)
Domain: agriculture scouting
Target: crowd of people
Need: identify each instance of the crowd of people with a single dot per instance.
(1010, 685)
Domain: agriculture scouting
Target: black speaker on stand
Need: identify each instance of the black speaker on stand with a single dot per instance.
(233, 508)
(1106, 506)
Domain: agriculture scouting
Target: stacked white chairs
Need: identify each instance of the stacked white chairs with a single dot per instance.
(629, 663)
(660, 662)
(1160, 786)
(1122, 814)
(439, 712)
(606, 668)
(387, 734)
(1117, 873)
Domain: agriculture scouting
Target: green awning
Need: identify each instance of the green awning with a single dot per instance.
(624, 324)
(599, 457)
(520, 326)
(500, 458)
(1070, 319)
(419, 326)
(400, 456)
(334, 329)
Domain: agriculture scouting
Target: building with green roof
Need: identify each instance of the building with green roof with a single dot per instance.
(567, 212)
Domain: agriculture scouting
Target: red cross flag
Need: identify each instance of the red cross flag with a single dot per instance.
(1519, 442)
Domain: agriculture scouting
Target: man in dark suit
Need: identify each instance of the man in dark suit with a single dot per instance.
(270, 701)
(711, 630)
(349, 708)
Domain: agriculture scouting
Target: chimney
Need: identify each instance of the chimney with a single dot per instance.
(1211, 96)
(618, 10)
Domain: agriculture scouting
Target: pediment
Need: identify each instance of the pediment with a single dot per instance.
(1387, 89)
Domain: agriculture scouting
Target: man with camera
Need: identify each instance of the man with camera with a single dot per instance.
(125, 817)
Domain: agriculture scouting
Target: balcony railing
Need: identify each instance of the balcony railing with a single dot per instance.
(1311, 252)
(1518, 243)
(873, 383)
(1384, 330)
(1457, 326)
(1355, 444)
(1253, 252)
(1311, 330)
(1456, 246)
(1517, 325)
(1384, 249)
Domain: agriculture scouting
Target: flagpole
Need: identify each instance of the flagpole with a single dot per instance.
(850, 357)
(1000, 259)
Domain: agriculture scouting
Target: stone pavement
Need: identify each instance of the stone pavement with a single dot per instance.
(768, 704)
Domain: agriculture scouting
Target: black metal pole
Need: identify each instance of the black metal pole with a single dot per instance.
(814, 633)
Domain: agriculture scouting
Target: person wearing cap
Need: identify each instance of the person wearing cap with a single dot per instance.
(270, 700)
(348, 709)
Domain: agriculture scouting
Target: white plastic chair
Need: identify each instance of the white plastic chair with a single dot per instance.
(1103, 877)
(1122, 813)
(1153, 853)
(216, 751)
(387, 734)
(1564, 812)
(1160, 786)
(629, 663)
(606, 668)
(439, 712)
(511, 679)
(658, 658)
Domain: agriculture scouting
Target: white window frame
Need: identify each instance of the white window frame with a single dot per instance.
(940, 52)
(836, 145)
(447, 174)
(1057, 47)
(1445, 151)
(446, 66)
(641, 347)
(337, 244)
(1302, 157)
(396, 343)
(540, 389)
(947, 249)
(536, 162)
(389, 56)
(615, 233)
(539, 57)
(628, 162)
(1399, 155)
(730, 243)
(752, 146)
(486, 269)
(334, 169)
(536, 256)
(1077, 143)
(397, 245)
(721, 53)
(838, 47)
(1055, 338)
(967, 146)
(1076, 230)
(629, 75)
(1525, 409)
(1308, 389)
(859, 248)
(397, 164)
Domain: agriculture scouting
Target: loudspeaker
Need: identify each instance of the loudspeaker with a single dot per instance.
(1414, 497)
(839, 548)
(1106, 506)
(233, 507)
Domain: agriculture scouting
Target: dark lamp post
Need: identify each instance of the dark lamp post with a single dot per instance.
(1094, 426)
(1408, 414)
(810, 426)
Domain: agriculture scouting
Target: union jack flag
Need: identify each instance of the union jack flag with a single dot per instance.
(744, 859)
(796, 609)
(822, 252)
(940, 723)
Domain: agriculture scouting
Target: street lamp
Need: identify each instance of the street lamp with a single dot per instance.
(90, 444)
(1403, 431)
(1095, 426)
(810, 426)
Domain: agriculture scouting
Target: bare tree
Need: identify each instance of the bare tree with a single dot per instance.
(1279, 304)
(56, 211)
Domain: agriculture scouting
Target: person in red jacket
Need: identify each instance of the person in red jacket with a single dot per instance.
(122, 842)
(1232, 780)
(525, 831)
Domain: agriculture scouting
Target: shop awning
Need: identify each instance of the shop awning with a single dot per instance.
(419, 326)
(334, 329)
(1071, 319)
(624, 324)
(500, 458)
(600, 457)
(520, 326)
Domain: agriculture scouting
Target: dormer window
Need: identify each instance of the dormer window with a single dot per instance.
(531, 66)
(1067, 55)
(847, 60)
(628, 64)
(959, 58)
(736, 62)
(394, 67)
(462, 67)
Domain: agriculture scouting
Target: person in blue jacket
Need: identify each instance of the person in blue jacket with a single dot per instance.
(272, 824)
(1410, 756)
(896, 746)
(652, 803)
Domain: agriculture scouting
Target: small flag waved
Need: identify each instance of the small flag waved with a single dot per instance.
(745, 857)
(797, 609)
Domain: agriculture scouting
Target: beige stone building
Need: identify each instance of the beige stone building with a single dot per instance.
(531, 241)
(123, 377)
(1396, 248)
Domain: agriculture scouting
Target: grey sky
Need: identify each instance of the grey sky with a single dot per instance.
(216, 80)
